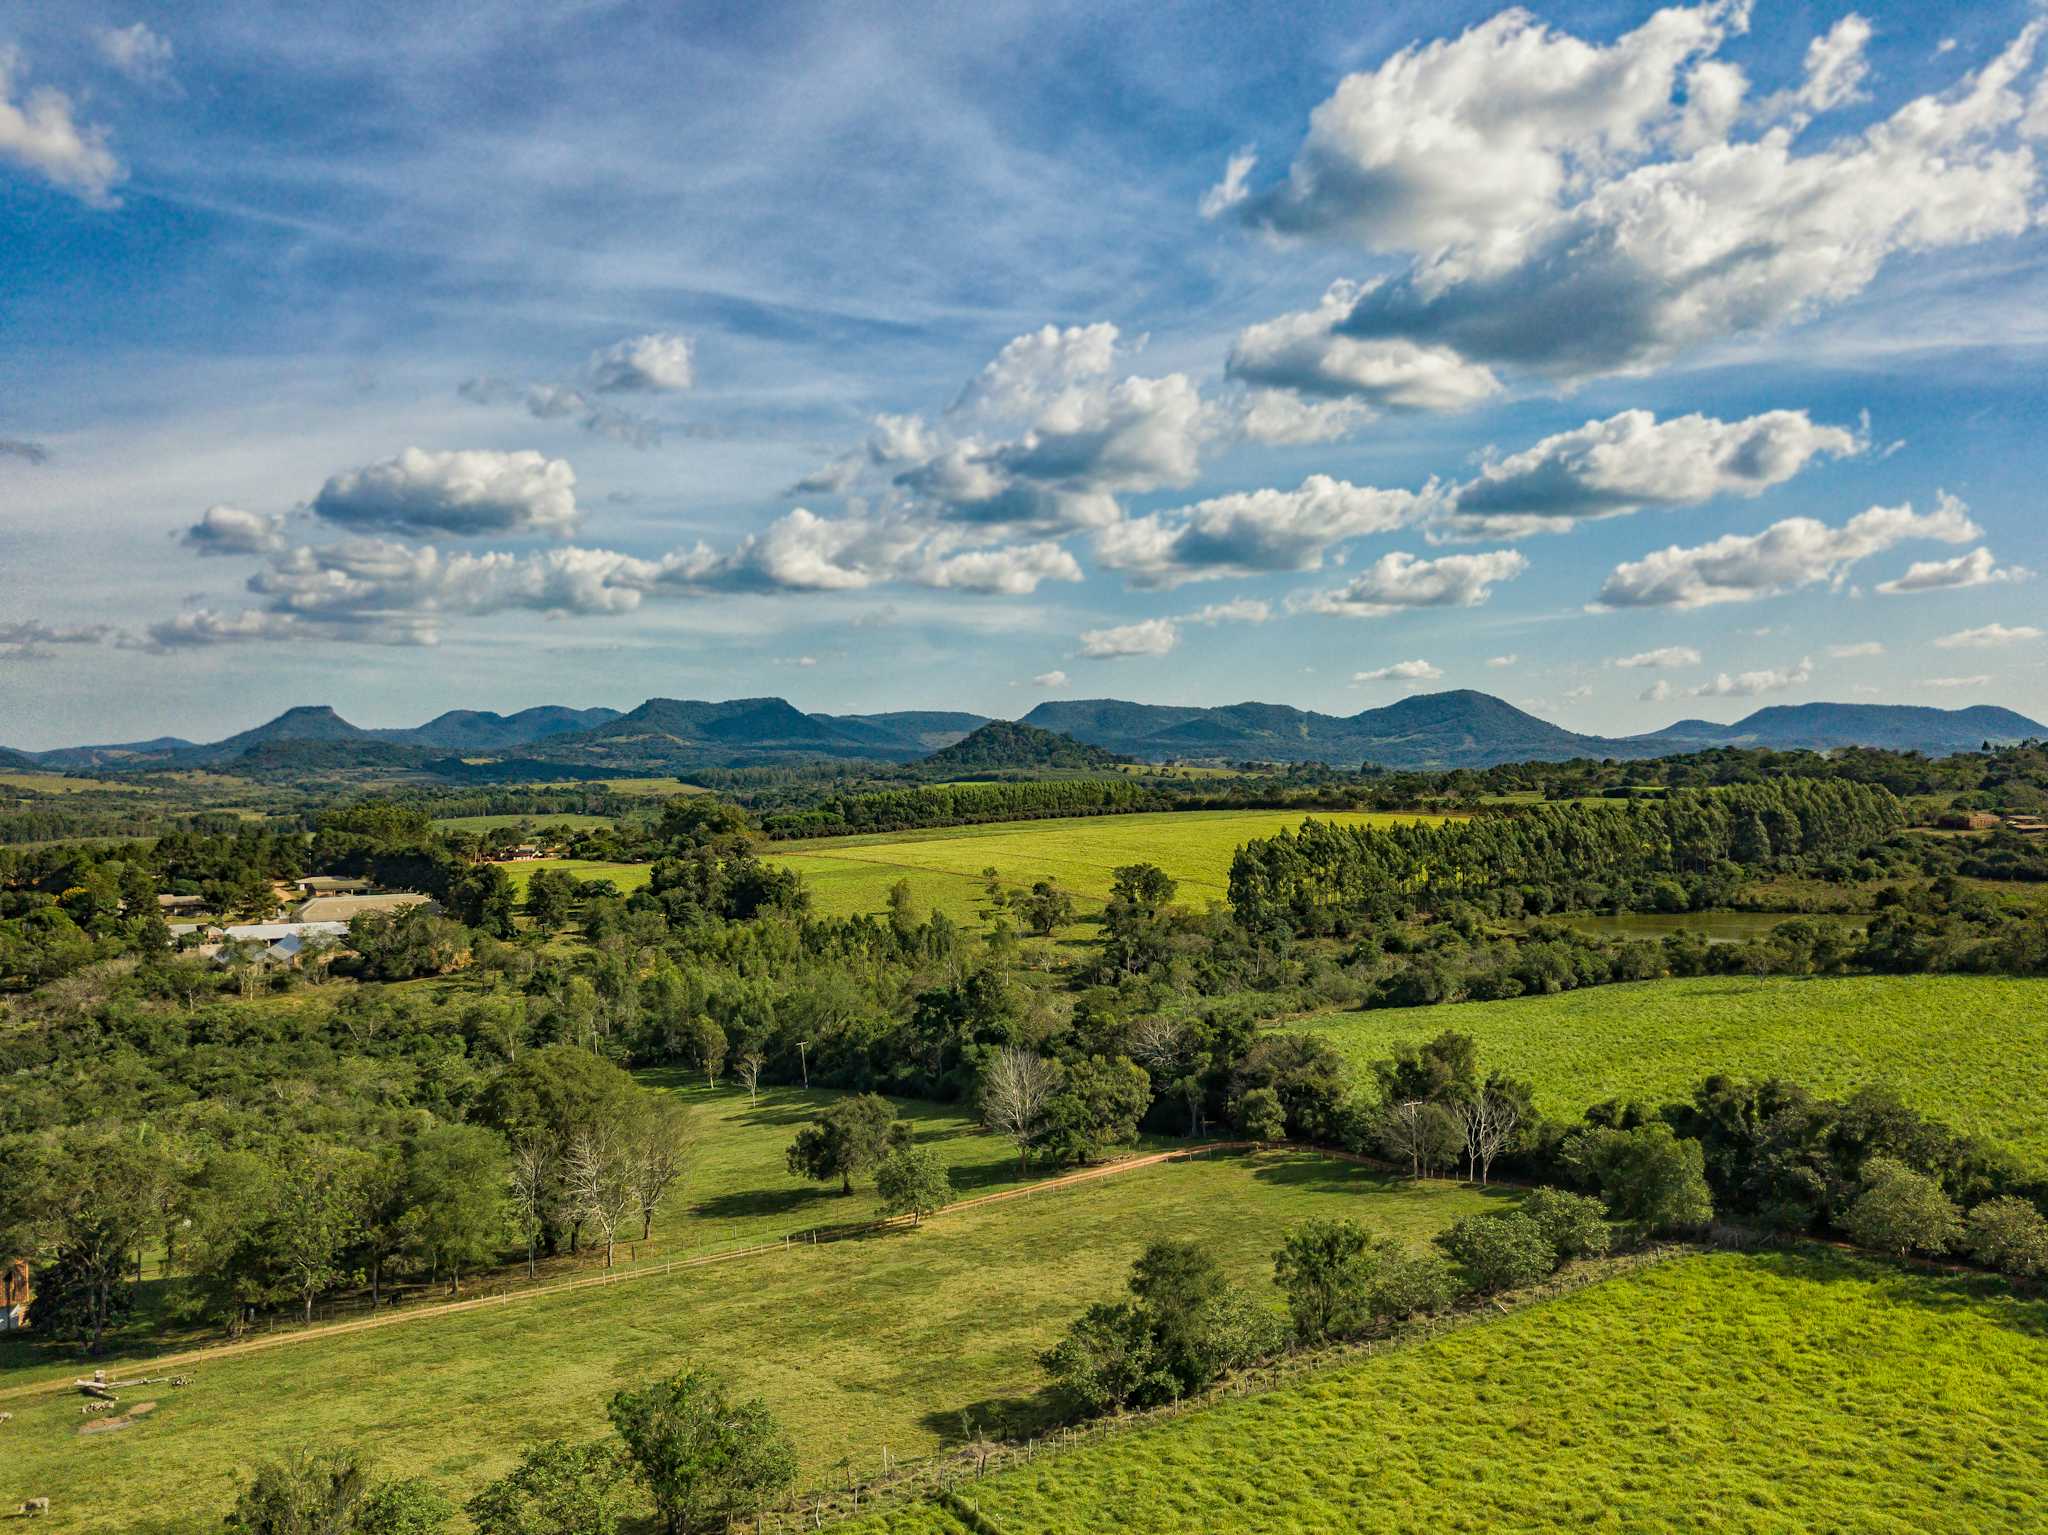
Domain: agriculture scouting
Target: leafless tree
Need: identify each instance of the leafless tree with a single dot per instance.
(599, 1179)
(663, 1140)
(1015, 1088)
(1420, 1133)
(532, 1176)
(1159, 1045)
(748, 1070)
(1487, 1120)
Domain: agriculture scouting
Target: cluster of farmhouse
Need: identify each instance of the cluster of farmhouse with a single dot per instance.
(319, 908)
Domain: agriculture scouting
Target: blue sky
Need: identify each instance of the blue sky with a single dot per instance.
(1629, 365)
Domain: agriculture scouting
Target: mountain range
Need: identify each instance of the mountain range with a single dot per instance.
(1429, 730)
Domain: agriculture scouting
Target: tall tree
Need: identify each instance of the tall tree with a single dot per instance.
(698, 1451)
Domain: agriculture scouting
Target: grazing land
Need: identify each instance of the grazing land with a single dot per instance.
(625, 876)
(907, 1340)
(851, 876)
(1953, 1046)
(1785, 1392)
(737, 1193)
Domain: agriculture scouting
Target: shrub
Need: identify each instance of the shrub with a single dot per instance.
(2008, 1235)
(1649, 1177)
(1499, 1252)
(1185, 1327)
(557, 1488)
(1573, 1224)
(1324, 1269)
(1260, 1116)
(1901, 1211)
(697, 1450)
(1413, 1284)
(1107, 1361)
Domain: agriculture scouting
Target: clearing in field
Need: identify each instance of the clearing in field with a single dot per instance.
(626, 877)
(1789, 1391)
(851, 876)
(1950, 1045)
(909, 1340)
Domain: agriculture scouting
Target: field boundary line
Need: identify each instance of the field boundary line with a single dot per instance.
(239, 1347)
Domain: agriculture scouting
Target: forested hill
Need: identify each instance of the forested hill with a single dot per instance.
(1431, 730)
(1007, 744)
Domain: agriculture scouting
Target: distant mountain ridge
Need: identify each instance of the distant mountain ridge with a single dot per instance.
(1455, 729)
(1461, 728)
(1819, 726)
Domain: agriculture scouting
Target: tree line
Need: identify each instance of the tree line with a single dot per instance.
(1621, 855)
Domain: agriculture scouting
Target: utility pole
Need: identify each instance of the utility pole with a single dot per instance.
(803, 1061)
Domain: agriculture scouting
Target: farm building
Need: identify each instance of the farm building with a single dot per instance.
(2027, 825)
(333, 884)
(340, 908)
(169, 904)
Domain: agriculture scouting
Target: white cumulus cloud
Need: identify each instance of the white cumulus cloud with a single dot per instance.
(1664, 657)
(1571, 210)
(657, 363)
(230, 530)
(1399, 671)
(1400, 580)
(1253, 532)
(464, 493)
(1977, 568)
(1151, 637)
(1632, 460)
(41, 134)
(1990, 637)
(1797, 552)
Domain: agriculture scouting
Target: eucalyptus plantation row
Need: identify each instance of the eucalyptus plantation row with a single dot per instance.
(1615, 853)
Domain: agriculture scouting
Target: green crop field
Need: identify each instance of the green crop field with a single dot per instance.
(1953, 1046)
(849, 876)
(889, 1341)
(1786, 1392)
(626, 876)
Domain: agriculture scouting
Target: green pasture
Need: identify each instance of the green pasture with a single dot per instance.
(626, 876)
(849, 876)
(1958, 1047)
(737, 1193)
(906, 1341)
(1784, 1392)
(57, 783)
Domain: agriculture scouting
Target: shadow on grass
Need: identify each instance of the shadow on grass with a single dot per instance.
(799, 1200)
(995, 1417)
(1954, 1294)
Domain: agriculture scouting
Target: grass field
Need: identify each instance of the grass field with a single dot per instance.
(890, 1341)
(57, 783)
(737, 1193)
(1952, 1046)
(1788, 1392)
(849, 876)
(627, 876)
